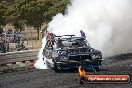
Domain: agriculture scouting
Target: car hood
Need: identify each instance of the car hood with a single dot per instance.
(78, 50)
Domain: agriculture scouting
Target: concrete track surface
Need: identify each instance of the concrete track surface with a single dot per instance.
(34, 78)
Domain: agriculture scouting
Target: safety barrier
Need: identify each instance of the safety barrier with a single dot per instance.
(18, 60)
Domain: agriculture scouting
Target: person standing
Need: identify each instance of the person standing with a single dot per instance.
(59, 43)
(1, 31)
(82, 34)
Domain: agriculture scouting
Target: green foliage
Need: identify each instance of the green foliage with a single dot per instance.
(30, 12)
(18, 25)
(3, 8)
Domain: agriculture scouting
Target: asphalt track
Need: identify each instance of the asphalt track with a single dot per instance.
(34, 78)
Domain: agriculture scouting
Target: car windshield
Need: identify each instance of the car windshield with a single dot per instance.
(71, 42)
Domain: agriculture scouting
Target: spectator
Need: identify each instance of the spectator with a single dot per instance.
(0, 44)
(16, 36)
(1, 30)
(82, 34)
(21, 45)
(9, 32)
(3, 46)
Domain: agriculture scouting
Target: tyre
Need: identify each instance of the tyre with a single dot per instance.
(97, 69)
(56, 69)
(97, 64)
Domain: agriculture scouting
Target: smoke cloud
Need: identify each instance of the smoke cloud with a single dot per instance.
(41, 63)
(107, 24)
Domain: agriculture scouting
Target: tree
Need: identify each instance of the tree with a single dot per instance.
(30, 12)
(18, 26)
(2, 13)
(54, 7)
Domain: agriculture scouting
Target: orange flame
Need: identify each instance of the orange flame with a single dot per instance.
(81, 71)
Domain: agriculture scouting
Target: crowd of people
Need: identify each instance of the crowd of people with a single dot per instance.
(10, 36)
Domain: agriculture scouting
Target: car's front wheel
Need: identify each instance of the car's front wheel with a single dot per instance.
(56, 68)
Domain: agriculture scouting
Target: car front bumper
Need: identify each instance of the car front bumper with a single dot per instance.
(74, 65)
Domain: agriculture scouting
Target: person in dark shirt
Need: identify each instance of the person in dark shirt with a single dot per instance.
(59, 43)
(82, 34)
(1, 30)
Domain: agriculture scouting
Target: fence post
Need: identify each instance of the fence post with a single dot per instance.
(5, 42)
(32, 39)
(27, 41)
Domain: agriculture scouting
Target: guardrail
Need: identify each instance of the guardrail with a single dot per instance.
(16, 42)
(18, 56)
(15, 60)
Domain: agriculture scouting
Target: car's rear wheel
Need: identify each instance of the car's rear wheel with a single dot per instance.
(97, 69)
(98, 66)
(81, 80)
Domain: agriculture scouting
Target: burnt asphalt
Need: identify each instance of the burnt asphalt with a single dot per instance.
(34, 78)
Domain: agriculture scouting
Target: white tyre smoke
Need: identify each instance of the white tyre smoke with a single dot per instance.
(107, 24)
(41, 63)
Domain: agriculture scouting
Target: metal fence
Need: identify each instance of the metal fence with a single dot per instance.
(18, 42)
